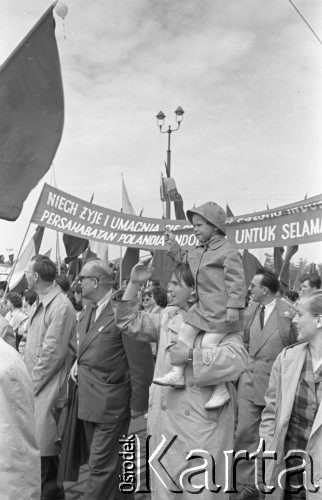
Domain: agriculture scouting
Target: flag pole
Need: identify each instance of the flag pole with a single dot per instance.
(18, 257)
(121, 248)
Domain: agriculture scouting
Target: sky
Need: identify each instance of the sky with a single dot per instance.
(247, 73)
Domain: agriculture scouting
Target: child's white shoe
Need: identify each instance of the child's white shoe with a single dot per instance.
(218, 398)
(172, 379)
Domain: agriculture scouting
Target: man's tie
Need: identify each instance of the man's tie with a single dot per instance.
(262, 316)
(92, 315)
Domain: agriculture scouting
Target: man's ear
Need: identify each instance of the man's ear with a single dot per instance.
(319, 323)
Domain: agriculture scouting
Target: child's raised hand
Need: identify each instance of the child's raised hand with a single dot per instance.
(169, 237)
(231, 315)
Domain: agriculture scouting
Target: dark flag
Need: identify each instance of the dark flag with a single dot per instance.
(284, 274)
(32, 114)
(278, 260)
(163, 267)
(74, 247)
(251, 265)
(229, 212)
(131, 257)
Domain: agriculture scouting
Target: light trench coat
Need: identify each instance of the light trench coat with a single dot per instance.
(179, 415)
(279, 398)
(51, 343)
(19, 454)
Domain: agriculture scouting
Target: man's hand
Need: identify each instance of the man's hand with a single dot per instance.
(179, 352)
(231, 315)
(141, 273)
(137, 413)
(73, 372)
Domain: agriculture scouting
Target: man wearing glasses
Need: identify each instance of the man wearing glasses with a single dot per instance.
(113, 374)
(268, 329)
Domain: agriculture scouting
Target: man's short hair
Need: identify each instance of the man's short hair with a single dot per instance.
(15, 299)
(313, 279)
(183, 272)
(63, 282)
(30, 296)
(269, 279)
(291, 295)
(160, 296)
(45, 267)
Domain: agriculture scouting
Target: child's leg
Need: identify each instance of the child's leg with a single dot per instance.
(175, 377)
(220, 394)
(188, 333)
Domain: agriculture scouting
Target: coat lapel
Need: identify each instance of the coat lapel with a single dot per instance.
(45, 301)
(269, 329)
(105, 318)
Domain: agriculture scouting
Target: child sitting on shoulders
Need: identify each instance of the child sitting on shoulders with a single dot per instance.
(220, 287)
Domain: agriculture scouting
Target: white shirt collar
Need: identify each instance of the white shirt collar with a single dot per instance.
(102, 303)
(268, 309)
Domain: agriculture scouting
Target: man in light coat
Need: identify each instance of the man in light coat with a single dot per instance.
(51, 344)
(19, 453)
(268, 329)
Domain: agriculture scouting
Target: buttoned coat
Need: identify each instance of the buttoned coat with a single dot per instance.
(114, 373)
(279, 399)
(180, 415)
(220, 284)
(19, 454)
(50, 347)
(264, 346)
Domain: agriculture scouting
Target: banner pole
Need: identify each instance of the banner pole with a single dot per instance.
(17, 259)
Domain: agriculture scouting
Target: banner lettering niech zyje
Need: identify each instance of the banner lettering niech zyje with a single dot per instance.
(66, 213)
(292, 224)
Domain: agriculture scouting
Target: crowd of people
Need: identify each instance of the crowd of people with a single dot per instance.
(213, 367)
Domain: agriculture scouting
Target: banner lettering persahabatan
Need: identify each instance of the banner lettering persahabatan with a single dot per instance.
(292, 224)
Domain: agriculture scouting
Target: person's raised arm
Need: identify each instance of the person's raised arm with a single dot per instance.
(129, 319)
(139, 274)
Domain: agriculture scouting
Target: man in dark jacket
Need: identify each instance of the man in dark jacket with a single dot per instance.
(111, 380)
(268, 329)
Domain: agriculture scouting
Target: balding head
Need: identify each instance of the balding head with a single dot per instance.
(96, 279)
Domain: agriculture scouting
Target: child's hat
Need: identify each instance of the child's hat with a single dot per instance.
(212, 212)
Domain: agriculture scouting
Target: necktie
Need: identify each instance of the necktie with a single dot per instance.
(92, 315)
(262, 316)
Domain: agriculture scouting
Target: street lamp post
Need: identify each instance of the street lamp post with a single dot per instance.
(160, 120)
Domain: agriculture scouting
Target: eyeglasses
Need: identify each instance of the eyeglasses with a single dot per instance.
(81, 277)
(253, 285)
(147, 297)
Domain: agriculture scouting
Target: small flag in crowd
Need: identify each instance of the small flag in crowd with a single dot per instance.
(32, 114)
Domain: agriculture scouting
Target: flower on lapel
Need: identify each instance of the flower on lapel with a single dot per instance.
(286, 314)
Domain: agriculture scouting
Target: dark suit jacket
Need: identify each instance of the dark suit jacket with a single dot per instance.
(114, 372)
(263, 347)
